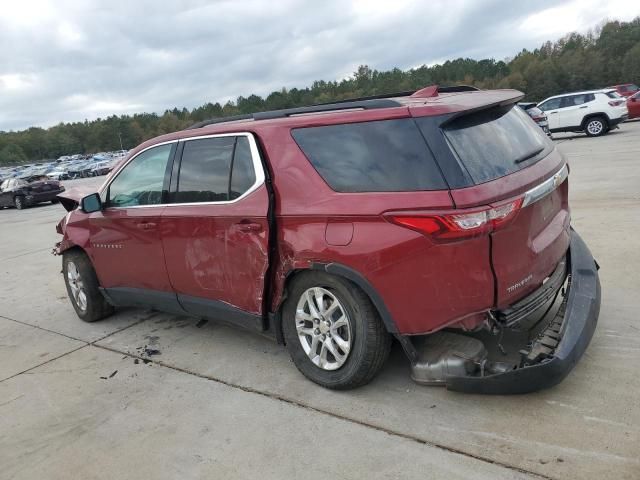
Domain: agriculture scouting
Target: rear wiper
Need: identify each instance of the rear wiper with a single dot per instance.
(527, 156)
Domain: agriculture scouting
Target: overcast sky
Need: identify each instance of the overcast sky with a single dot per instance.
(67, 60)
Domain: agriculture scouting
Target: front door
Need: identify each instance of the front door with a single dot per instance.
(215, 231)
(125, 243)
(552, 109)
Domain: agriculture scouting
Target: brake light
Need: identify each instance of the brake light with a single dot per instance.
(458, 225)
(539, 118)
(616, 103)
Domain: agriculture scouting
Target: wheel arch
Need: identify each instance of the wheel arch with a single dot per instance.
(338, 270)
(588, 117)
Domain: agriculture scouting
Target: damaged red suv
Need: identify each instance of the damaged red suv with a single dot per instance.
(438, 218)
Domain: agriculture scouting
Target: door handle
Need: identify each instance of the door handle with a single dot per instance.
(146, 225)
(249, 227)
(585, 106)
(551, 113)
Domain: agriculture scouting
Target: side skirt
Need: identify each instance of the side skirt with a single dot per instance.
(179, 304)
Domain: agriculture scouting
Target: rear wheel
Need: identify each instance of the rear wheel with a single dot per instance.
(19, 202)
(82, 287)
(596, 126)
(333, 332)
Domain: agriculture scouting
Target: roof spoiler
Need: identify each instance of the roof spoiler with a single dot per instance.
(385, 100)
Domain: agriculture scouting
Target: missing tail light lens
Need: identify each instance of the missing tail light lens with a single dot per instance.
(616, 103)
(452, 226)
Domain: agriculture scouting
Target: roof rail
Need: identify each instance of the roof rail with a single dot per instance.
(365, 103)
(329, 107)
(212, 121)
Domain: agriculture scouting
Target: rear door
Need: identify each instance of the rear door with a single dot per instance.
(215, 230)
(575, 108)
(510, 159)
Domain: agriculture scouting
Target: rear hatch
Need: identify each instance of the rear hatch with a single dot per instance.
(512, 182)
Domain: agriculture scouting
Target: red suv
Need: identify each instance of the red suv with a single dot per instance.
(626, 89)
(438, 218)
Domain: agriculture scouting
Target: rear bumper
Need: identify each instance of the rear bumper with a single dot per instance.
(576, 322)
(614, 122)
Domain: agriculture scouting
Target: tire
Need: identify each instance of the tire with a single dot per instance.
(596, 126)
(19, 202)
(362, 330)
(82, 287)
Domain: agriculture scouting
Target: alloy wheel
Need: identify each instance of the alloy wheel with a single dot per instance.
(76, 285)
(324, 328)
(595, 127)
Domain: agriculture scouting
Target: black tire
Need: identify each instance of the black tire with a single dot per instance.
(596, 126)
(19, 202)
(96, 306)
(370, 344)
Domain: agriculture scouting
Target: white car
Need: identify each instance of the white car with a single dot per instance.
(594, 112)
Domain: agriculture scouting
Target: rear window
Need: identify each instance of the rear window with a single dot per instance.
(379, 156)
(494, 143)
(613, 94)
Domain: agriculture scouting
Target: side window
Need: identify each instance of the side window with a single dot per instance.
(243, 175)
(552, 104)
(214, 170)
(377, 156)
(589, 97)
(4, 185)
(141, 181)
(204, 170)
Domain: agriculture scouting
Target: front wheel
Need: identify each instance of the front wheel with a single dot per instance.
(19, 202)
(333, 332)
(83, 287)
(596, 126)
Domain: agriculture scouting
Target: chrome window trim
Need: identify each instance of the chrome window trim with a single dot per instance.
(540, 191)
(255, 157)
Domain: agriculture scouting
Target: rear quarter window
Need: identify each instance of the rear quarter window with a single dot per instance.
(494, 143)
(378, 156)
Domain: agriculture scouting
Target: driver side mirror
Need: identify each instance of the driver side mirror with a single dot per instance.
(91, 203)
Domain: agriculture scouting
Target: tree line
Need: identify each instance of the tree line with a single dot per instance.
(605, 56)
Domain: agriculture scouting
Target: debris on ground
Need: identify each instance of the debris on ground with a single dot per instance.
(110, 376)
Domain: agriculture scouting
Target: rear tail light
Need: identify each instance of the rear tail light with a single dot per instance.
(539, 118)
(458, 225)
(616, 103)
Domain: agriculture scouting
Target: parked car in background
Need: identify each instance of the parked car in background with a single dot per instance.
(625, 89)
(536, 115)
(335, 228)
(22, 193)
(81, 169)
(102, 168)
(633, 105)
(594, 112)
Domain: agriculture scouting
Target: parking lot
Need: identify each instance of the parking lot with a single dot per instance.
(81, 400)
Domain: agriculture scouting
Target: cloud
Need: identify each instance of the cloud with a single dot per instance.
(69, 60)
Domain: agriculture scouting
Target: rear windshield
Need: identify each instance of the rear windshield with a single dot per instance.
(379, 156)
(613, 94)
(494, 143)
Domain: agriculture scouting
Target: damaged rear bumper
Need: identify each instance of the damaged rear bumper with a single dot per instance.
(554, 353)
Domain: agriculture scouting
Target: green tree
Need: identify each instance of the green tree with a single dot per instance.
(12, 154)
